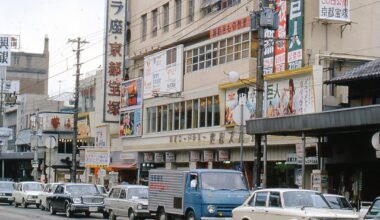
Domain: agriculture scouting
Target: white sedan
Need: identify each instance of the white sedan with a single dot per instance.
(288, 204)
(48, 191)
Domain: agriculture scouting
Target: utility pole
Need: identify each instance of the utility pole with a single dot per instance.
(79, 43)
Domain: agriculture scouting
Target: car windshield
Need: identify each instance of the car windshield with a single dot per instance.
(138, 193)
(7, 186)
(374, 211)
(102, 189)
(33, 187)
(231, 181)
(304, 199)
(338, 202)
(82, 189)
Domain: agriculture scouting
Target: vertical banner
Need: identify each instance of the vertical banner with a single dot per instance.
(114, 59)
(295, 33)
(268, 52)
(5, 50)
(280, 46)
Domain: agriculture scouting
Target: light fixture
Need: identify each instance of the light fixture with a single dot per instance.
(233, 76)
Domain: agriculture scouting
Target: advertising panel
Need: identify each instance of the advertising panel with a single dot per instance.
(114, 59)
(96, 157)
(163, 72)
(230, 27)
(11, 86)
(268, 53)
(131, 94)
(233, 108)
(131, 123)
(208, 156)
(170, 157)
(5, 50)
(336, 10)
(289, 96)
(295, 32)
(101, 138)
(159, 157)
(280, 46)
(84, 127)
(56, 122)
(195, 156)
(148, 157)
(223, 155)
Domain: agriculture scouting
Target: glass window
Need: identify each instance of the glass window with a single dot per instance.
(374, 211)
(275, 200)
(143, 27)
(203, 113)
(170, 117)
(165, 18)
(302, 198)
(209, 112)
(183, 115)
(69, 146)
(154, 22)
(176, 116)
(164, 118)
(152, 116)
(159, 117)
(260, 199)
(195, 113)
(216, 111)
(189, 113)
(122, 194)
(191, 10)
(178, 13)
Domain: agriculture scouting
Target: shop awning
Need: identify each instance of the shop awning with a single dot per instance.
(24, 137)
(123, 166)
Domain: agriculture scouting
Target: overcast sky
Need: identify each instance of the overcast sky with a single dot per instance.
(60, 20)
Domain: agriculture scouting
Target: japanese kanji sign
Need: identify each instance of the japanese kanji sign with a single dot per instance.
(280, 46)
(338, 10)
(268, 52)
(230, 27)
(114, 59)
(295, 34)
(5, 50)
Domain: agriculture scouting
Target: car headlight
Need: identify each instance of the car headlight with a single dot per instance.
(77, 200)
(28, 197)
(139, 206)
(211, 209)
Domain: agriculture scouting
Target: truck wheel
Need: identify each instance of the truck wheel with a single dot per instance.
(190, 215)
(162, 215)
(106, 215)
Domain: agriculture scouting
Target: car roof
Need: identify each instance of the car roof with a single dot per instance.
(281, 190)
(130, 186)
(333, 195)
(214, 171)
(78, 184)
(30, 182)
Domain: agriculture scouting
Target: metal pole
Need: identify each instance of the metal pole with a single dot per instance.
(36, 159)
(265, 161)
(49, 161)
(2, 168)
(241, 135)
(1, 102)
(303, 159)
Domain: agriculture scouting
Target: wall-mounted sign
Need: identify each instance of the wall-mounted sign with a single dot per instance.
(195, 156)
(5, 50)
(127, 156)
(170, 157)
(148, 157)
(268, 53)
(233, 108)
(230, 27)
(114, 58)
(280, 44)
(84, 130)
(336, 10)
(163, 72)
(208, 156)
(11, 86)
(131, 94)
(295, 32)
(131, 123)
(96, 157)
(159, 158)
(223, 155)
(101, 138)
(56, 122)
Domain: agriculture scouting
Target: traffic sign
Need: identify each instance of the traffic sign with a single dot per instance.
(50, 142)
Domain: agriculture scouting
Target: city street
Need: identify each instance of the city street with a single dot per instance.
(11, 213)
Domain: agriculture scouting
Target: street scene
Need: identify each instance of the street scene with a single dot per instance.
(190, 109)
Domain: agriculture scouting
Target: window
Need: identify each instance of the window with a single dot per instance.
(144, 27)
(154, 22)
(164, 118)
(165, 17)
(220, 52)
(195, 113)
(65, 146)
(152, 115)
(191, 10)
(159, 115)
(211, 6)
(182, 112)
(171, 56)
(203, 113)
(122, 194)
(189, 113)
(260, 199)
(115, 193)
(216, 111)
(209, 112)
(176, 116)
(274, 200)
(178, 13)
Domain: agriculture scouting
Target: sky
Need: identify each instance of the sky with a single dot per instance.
(59, 20)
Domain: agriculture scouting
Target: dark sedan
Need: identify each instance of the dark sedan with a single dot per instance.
(76, 197)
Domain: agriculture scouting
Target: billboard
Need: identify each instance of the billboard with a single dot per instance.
(337, 10)
(131, 93)
(96, 157)
(268, 53)
(163, 72)
(5, 50)
(131, 123)
(56, 122)
(84, 129)
(295, 33)
(292, 96)
(280, 46)
(233, 108)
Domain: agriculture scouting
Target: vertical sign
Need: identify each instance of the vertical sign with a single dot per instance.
(5, 50)
(268, 52)
(114, 59)
(295, 33)
(280, 47)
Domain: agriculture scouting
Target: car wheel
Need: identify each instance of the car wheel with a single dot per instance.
(42, 207)
(16, 204)
(10, 203)
(190, 215)
(112, 216)
(52, 211)
(87, 214)
(68, 213)
(38, 206)
(106, 215)
(132, 215)
(24, 204)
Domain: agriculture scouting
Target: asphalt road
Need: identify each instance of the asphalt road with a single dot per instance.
(8, 212)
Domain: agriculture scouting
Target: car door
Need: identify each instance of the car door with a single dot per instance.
(56, 197)
(258, 206)
(274, 209)
(17, 193)
(114, 201)
(122, 203)
(193, 193)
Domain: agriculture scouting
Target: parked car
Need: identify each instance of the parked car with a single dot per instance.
(338, 202)
(26, 193)
(374, 211)
(363, 209)
(128, 201)
(102, 190)
(48, 191)
(281, 204)
(76, 197)
(6, 190)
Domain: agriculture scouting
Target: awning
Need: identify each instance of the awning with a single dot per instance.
(123, 166)
(24, 137)
(207, 3)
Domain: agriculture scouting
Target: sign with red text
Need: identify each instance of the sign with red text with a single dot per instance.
(230, 27)
(96, 157)
(280, 46)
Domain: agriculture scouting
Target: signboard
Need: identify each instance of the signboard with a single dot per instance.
(11, 86)
(148, 157)
(127, 156)
(84, 129)
(131, 94)
(195, 156)
(163, 72)
(268, 53)
(208, 156)
(295, 32)
(230, 27)
(57, 122)
(131, 123)
(280, 46)
(114, 59)
(5, 50)
(290, 96)
(96, 157)
(223, 155)
(159, 158)
(335, 10)
(170, 157)
(233, 108)
(101, 138)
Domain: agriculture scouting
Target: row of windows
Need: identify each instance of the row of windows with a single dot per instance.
(223, 51)
(210, 6)
(197, 113)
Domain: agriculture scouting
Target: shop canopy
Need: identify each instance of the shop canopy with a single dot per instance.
(123, 166)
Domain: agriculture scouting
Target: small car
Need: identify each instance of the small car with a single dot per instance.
(48, 190)
(76, 197)
(374, 211)
(128, 201)
(285, 204)
(6, 190)
(26, 193)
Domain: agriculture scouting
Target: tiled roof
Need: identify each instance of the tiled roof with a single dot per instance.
(365, 71)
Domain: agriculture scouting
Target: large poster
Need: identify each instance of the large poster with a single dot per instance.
(337, 10)
(131, 123)
(295, 33)
(163, 72)
(268, 53)
(280, 46)
(131, 93)
(289, 96)
(233, 108)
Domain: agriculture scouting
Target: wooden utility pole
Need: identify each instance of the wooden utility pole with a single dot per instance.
(79, 43)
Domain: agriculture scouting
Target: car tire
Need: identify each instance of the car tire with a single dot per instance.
(87, 214)
(16, 204)
(38, 206)
(190, 215)
(106, 215)
(132, 215)
(42, 207)
(112, 216)
(51, 210)
(68, 211)
(10, 203)
(24, 204)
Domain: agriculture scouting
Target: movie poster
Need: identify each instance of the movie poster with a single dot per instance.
(131, 123)
(233, 108)
(131, 93)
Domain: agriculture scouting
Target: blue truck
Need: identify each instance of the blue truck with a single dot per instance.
(200, 194)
